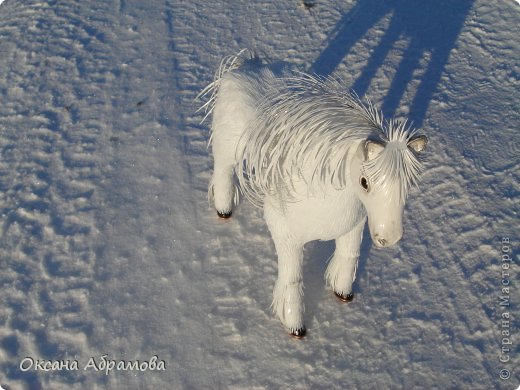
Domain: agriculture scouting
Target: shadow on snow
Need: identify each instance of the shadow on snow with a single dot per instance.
(431, 27)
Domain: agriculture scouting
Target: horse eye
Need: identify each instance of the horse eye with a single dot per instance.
(364, 183)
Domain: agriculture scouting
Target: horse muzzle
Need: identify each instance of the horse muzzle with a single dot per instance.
(386, 240)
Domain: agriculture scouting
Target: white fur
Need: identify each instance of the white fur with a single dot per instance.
(298, 145)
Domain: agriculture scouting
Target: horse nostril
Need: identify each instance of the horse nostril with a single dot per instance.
(382, 241)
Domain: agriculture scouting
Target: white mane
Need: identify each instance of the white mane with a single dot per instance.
(304, 119)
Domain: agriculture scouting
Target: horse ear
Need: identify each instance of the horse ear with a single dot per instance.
(418, 144)
(372, 149)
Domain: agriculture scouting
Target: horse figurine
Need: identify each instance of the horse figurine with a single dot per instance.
(318, 160)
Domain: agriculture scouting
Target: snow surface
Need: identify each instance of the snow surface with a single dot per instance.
(108, 245)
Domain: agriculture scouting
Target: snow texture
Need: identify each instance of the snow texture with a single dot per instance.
(108, 245)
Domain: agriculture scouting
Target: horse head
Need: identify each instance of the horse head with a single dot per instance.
(381, 173)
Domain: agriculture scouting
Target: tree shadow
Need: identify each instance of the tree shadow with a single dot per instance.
(431, 28)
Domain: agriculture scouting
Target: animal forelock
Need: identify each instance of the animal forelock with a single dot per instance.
(396, 166)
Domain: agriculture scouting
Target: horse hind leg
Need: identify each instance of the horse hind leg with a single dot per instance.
(231, 116)
(223, 190)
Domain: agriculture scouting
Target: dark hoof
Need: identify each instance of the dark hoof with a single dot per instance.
(344, 297)
(225, 214)
(298, 333)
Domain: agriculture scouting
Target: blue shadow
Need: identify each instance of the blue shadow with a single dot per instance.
(432, 28)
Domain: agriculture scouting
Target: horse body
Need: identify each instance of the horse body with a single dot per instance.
(319, 162)
(317, 215)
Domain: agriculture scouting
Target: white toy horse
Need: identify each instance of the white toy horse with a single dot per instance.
(317, 159)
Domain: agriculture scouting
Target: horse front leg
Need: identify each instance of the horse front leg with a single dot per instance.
(288, 291)
(341, 271)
